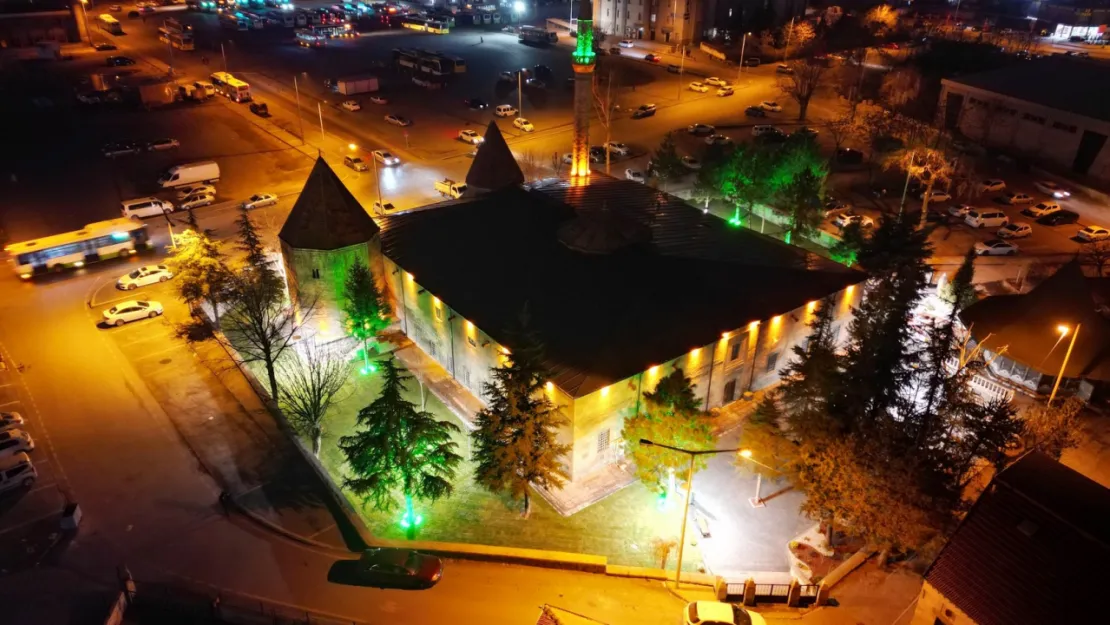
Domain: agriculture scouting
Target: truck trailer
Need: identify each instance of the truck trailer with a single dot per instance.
(353, 85)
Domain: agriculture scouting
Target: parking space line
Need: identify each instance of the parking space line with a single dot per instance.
(158, 353)
(41, 487)
(144, 339)
(30, 521)
(10, 403)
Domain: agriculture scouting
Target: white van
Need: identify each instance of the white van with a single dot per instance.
(17, 472)
(142, 207)
(505, 110)
(207, 172)
(986, 218)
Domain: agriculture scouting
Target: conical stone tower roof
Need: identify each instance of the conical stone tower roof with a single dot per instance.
(326, 215)
(494, 167)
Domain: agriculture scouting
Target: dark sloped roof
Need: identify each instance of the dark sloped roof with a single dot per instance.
(494, 166)
(1027, 325)
(326, 215)
(1066, 84)
(603, 316)
(1031, 551)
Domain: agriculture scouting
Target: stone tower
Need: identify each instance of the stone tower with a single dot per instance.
(582, 60)
(327, 231)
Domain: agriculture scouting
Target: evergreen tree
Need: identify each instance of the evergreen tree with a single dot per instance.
(665, 163)
(516, 443)
(257, 261)
(400, 450)
(366, 311)
(812, 376)
(670, 417)
(802, 199)
(743, 179)
(960, 290)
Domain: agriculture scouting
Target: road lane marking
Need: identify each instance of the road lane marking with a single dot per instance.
(9, 403)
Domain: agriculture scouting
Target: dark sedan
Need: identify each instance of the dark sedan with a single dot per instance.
(475, 104)
(386, 567)
(755, 111)
(119, 61)
(1059, 218)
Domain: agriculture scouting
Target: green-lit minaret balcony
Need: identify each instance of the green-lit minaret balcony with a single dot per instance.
(584, 52)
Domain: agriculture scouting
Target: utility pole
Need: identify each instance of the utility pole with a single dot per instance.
(681, 71)
(519, 95)
(906, 189)
(743, 44)
(300, 115)
(1064, 364)
(224, 55)
(789, 33)
(85, 16)
(378, 185)
(323, 137)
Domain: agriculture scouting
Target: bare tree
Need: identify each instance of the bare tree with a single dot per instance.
(260, 328)
(840, 129)
(900, 87)
(802, 83)
(605, 104)
(530, 164)
(798, 33)
(881, 19)
(313, 378)
(556, 163)
(929, 165)
(1097, 254)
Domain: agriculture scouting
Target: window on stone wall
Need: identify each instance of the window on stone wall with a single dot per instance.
(734, 352)
(603, 440)
(1036, 119)
(438, 310)
(1065, 127)
(772, 360)
(473, 341)
(316, 274)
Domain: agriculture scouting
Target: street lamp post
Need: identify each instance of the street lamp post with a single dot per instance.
(743, 44)
(692, 453)
(377, 180)
(1063, 330)
(757, 501)
(85, 17)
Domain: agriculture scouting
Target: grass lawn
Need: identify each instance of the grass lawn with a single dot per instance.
(621, 526)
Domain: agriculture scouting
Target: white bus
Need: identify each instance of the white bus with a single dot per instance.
(96, 241)
(174, 25)
(231, 87)
(180, 41)
(309, 39)
(109, 24)
(234, 21)
(537, 36)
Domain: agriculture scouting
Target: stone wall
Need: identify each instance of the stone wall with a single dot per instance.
(320, 275)
(933, 608)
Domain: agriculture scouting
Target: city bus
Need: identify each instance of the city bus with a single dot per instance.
(230, 87)
(233, 21)
(109, 24)
(537, 36)
(97, 241)
(422, 25)
(310, 39)
(456, 64)
(180, 41)
(174, 26)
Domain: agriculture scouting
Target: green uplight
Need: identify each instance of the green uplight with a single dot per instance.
(368, 369)
(735, 220)
(411, 520)
(584, 51)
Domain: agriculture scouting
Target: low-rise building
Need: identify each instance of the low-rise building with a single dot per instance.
(1029, 552)
(25, 23)
(1051, 110)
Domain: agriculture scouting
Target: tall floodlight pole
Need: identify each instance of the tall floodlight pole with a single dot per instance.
(582, 61)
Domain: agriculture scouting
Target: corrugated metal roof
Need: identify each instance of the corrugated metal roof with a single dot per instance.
(603, 317)
(1031, 551)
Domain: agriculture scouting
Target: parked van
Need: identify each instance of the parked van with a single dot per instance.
(207, 88)
(143, 207)
(505, 110)
(17, 472)
(986, 218)
(207, 172)
(13, 442)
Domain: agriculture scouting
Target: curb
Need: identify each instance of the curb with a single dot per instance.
(230, 502)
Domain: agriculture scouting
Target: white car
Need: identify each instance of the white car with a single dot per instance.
(162, 144)
(1093, 233)
(843, 220)
(191, 189)
(634, 175)
(1041, 209)
(1051, 188)
(937, 195)
(771, 106)
(724, 92)
(398, 120)
(959, 210)
(196, 200)
(471, 137)
(992, 185)
(626, 43)
(377, 99)
(351, 105)
(717, 613)
(14, 442)
(1017, 198)
(385, 157)
(614, 147)
(259, 200)
(134, 310)
(995, 247)
(698, 86)
(10, 421)
(716, 82)
(1016, 230)
(147, 274)
(717, 140)
(690, 162)
(523, 124)
(701, 129)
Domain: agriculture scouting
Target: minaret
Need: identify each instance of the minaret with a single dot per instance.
(583, 63)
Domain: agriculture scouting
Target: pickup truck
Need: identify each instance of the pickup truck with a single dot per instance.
(450, 188)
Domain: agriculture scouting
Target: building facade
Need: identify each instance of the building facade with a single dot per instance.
(25, 23)
(1066, 126)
